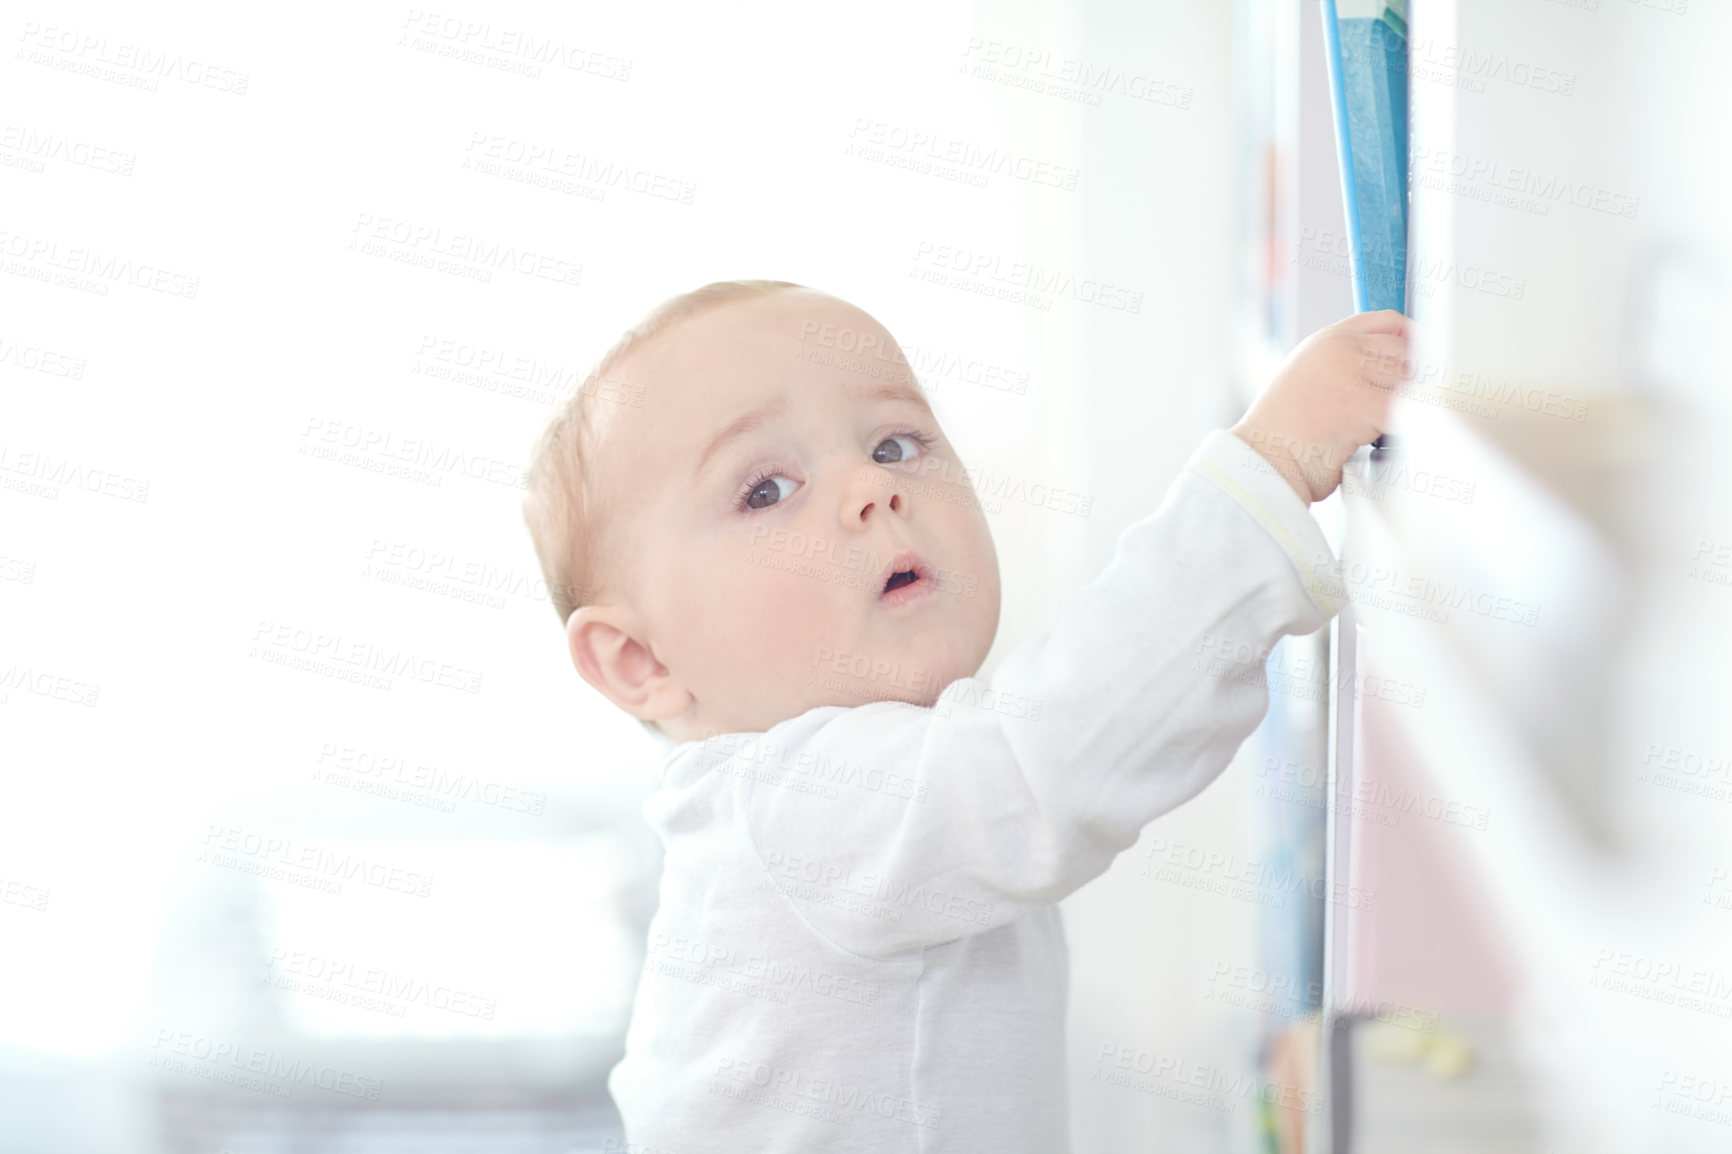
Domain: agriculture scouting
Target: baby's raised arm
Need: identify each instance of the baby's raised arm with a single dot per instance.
(1012, 794)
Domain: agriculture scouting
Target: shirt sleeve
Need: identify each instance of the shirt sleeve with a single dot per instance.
(917, 826)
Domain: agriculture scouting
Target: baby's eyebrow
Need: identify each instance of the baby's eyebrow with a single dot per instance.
(741, 425)
(761, 415)
(892, 392)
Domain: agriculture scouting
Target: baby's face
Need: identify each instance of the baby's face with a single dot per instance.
(789, 533)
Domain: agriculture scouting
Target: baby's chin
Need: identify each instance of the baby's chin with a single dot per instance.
(822, 685)
(913, 666)
(838, 677)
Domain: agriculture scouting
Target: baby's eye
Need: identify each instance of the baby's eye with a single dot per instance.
(899, 448)
(768, 491)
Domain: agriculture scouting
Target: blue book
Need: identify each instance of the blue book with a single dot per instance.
(1366, 43)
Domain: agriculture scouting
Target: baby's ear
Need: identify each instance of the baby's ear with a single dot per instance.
(609, 657)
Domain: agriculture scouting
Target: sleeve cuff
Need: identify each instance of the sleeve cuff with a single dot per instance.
(1242, 472)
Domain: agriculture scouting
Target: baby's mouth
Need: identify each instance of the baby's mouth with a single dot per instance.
(907, 579)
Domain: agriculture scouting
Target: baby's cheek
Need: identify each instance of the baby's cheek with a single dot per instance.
(783, 618)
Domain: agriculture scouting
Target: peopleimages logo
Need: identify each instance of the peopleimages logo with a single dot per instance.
(253, 1067)
(382, 450)
(286, 644)
(304, 863)
(1016, 281)
(801, 1091)
(1201, 1084)
(370, 987)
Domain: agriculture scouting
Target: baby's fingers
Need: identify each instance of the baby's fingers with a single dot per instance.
(1385, 360)
(1381, 321)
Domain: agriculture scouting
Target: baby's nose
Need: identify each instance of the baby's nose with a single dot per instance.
(877, 491)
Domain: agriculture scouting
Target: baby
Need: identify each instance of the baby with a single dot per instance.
(772, 556)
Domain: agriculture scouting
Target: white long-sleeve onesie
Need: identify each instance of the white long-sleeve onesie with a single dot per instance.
(858, 945)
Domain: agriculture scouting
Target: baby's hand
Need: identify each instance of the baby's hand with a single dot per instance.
(1331, 397)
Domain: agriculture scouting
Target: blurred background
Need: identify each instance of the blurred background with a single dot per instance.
(312, 839)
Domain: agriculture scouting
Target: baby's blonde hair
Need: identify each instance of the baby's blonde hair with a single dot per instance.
(563, 521)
